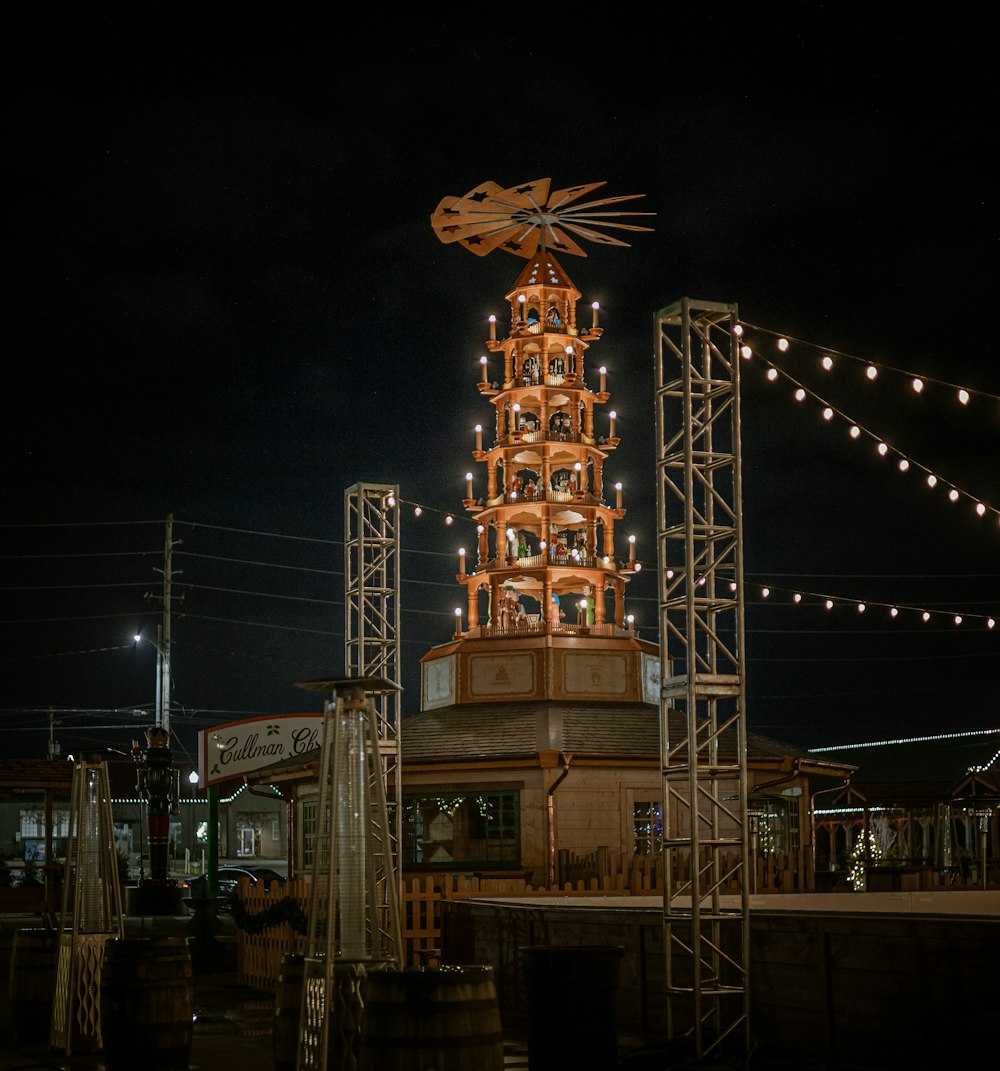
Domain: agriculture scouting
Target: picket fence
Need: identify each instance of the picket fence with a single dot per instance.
(260, 948)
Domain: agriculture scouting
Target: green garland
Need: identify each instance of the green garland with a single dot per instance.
(285, 910)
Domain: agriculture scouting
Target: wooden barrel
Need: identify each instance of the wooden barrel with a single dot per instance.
(147, 1004)
(287, 1011)
(33, 958)
(447, 1018)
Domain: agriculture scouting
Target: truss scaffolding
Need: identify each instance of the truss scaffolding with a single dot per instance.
(702, 705)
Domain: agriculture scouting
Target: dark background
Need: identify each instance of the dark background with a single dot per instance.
(227, 304)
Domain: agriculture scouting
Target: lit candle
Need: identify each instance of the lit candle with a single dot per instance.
(479, 437)
(482, 361)
(618, 496)
(631, 548)
(604, 380)
(595, 307)
(468, 485)
(458, 620)
(493, 329)
(612, 415)
(461, 560)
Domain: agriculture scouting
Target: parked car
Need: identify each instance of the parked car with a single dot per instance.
(228, 883)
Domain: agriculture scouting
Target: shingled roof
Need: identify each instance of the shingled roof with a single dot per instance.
(513, 730)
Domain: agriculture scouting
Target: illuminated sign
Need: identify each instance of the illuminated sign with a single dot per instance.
(240, 747)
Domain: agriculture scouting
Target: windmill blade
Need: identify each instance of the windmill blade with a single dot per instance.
(462, 211)
(617, 199)
(594, 236)
(563, 197)
(502, 237)
(560, 242)
(605, 223)
(524, 194)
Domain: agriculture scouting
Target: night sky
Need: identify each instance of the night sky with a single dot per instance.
(227, 305)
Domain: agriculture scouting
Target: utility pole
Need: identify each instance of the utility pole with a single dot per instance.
(163, 631)
(53, 743)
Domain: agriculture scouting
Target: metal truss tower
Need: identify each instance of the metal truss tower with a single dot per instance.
(371, 621)
(704, 767)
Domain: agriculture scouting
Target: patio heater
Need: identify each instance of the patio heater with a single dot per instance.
(91, 911)
(354, 896)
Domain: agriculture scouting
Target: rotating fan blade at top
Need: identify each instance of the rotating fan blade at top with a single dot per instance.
(521, 218)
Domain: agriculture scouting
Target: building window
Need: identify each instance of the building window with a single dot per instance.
(461, 830)
(647, 827)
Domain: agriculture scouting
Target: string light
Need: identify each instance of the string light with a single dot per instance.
(830, 602)
(856, 430)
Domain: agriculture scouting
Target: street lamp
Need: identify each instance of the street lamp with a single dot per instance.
(162, 718)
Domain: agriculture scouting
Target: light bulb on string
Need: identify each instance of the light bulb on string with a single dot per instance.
(903, 464)
(855, 431)
(828, 413)
(958, 619)
(925, 616)
(963, 396)
(871, 372)
(861, 607)
(772, 374)
(883, 449)
(893, 612)
(738, 330)
(800, 395)
(746, 353)
(827, 362)
(417, 511)
(796, 597)
(931, 480)
(829, 604)
(980, 508)
(765, 592)
(918, 385)
(783, 345)
(953, 495)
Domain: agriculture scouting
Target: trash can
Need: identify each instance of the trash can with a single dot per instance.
(572, 998)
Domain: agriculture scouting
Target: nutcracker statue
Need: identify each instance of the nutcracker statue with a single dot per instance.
(157, 785)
